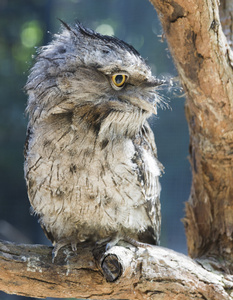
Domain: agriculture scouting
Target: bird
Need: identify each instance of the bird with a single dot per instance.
(91, 165)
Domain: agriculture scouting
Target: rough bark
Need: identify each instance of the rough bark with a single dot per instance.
(204, 63)
(151, 273)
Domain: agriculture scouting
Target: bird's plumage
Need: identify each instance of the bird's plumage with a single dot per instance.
(90, 159)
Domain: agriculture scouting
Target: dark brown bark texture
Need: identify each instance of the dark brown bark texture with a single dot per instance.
(204, 62)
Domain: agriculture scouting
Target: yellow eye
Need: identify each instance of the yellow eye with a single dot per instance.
(119, 80)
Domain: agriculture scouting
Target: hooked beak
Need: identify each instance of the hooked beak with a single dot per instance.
(144, 96)
(154, 82)
(151, 96)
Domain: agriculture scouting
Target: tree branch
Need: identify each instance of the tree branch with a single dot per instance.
(151, 273)
(205, 65)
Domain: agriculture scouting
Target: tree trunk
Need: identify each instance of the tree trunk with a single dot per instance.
(204, 62)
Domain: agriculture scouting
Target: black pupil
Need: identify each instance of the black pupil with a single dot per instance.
(119, 79)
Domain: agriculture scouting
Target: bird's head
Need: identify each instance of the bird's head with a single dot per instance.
(84, 71)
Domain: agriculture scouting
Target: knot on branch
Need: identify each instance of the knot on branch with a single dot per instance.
(111, 267)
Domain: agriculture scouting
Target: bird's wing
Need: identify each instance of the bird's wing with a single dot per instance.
(149, 169)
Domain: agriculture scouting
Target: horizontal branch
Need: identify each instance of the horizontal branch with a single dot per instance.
(147, 273)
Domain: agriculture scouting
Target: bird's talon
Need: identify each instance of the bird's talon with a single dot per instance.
(108, 246)
(74, 246)
(54, 254)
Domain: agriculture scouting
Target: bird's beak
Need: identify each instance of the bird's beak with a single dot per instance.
(146, 101)
(153, 82)
(151, 96)
(144, 96)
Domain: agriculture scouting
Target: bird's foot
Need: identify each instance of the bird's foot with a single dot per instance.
(103, 241)
(74, 246)
(128, 240)
(113, 242)
(109, 242)
(134, 242)
(104, 245)
(61, 243)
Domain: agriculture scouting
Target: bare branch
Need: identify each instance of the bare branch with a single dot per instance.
(151, 273)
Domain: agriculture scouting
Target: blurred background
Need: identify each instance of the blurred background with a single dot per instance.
(28, 24)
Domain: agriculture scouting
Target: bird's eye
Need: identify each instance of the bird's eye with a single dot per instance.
(118, 80)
